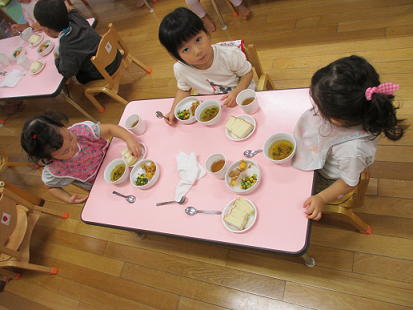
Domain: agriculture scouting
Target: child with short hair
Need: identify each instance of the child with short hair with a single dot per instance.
(206, 68)
(27, 8)
(78, 41)
(70, 155)
(338, 136)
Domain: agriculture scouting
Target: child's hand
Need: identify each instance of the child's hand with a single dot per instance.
(134, 147)
(230, 99)
(17, 27)
(75, 199)
(36, 27)
(315, 206)
(170, 118)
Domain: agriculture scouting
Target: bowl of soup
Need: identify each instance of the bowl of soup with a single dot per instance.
(117, 171)
(280, 147)
(208, 112)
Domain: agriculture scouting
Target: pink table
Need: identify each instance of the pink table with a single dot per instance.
(281, 224)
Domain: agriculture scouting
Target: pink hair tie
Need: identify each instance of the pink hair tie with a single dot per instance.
(385, 88)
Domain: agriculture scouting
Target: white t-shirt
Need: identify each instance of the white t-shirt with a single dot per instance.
(348, 159)
(229, 65)
(28, 11)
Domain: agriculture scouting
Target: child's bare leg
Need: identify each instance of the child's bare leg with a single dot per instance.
(140, 3)
(243, 10)
(209, 24)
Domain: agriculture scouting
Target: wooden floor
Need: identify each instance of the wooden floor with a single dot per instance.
(102, 268)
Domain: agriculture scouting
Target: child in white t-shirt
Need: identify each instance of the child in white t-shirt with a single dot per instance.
(206, 68)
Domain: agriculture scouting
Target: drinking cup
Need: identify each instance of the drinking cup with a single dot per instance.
(135, 124)
(246, 94)
(216, 158)
(24, 61)
(4, 60)
(26, 34)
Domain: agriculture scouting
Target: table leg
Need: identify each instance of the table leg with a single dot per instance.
(309, 262)
(141, 235)
(147, 5)
(74, 104)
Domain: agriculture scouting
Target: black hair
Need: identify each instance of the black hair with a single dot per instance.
(40, 136)
(52, 14)
(339, 89)
(177, 28)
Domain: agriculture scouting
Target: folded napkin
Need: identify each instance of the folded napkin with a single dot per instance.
(189, 170)
(13, 78)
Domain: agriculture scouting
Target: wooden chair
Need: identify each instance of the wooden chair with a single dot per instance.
(105, 55)
(18, 218)
(355, 199)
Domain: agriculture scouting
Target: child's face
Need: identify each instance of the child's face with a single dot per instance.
(198, 51)
(69, 147)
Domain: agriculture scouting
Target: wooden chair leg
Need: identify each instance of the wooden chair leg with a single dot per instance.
(141, 64)
(231, 7)
(28, 266)
(77, 107)
(33, 199)
(148, 6)
(116, 97)
(265, 83)
(8, 274)
(90, 95)
(349, 216)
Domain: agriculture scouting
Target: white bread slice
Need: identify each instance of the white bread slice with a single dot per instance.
(239, 127)
(236, 222)
(35, 66)
(244, 205)
(230, 123)
(239, 213)
(130, 159)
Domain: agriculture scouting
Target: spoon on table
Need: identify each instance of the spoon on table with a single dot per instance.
(193, 211)
(129, 198)
(181, 201)
(251, 153)
(160, 115)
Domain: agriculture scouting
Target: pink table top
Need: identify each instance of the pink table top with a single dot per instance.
(281, 224)
(47, 83)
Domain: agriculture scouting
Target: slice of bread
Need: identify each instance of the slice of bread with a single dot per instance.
(130, 159)
(239, 127)
(237, 222)
(244, 205)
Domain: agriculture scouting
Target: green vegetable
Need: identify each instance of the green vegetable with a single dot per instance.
(248, 181)
(184, 114)
(141, 180)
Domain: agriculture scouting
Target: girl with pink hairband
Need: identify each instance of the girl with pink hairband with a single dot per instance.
(338, 136)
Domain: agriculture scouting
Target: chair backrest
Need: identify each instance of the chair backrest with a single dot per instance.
(110, 43)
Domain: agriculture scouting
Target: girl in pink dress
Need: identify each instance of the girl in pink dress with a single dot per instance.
(70, 155)
(27, 8)
(338, 136)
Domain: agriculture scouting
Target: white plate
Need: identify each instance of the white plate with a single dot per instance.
(47, 50)
(137, 170)
(251, 219)
(40, 70)
(252, 168)
(38, 42)
(186, 104)
(247, 118)
(143, 146)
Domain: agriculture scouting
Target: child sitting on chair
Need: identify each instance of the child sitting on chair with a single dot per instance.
(27, 8)
(338, 136)
(78, 41)
(70, 155)
(208, 69)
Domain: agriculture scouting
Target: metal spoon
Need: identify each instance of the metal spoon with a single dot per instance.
(251, 153)
(129, 198)
(160, 115)
(193, 211)
(183, 198)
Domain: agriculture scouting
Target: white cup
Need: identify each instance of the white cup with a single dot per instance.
(24, 61)
(252, 107)
(4, 60)
(26, 34)
(135, 124)
(213, 159)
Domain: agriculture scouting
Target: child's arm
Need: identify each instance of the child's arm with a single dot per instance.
(180, 94)
(112, 130)
(316, 203)
(244, 82)
(18, 27)
(61, 194)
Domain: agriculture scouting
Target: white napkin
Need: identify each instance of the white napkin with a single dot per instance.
(13, 78)
(189, 170)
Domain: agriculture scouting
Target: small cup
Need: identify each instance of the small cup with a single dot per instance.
(248, 95)
(4, 60)
(26, 34)
(24, 61)
(135, 124)
(215, 158)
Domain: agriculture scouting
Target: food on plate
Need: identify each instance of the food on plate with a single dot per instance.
(280, 149)
(36, 66)
(195, 104)
(209, 113)
(239, 127)
(117, 172)
(248, 181)
(150, 170)
(34, 39)
(141, 180)
(184, 114)
(235, 173)
(17, 52)
(43, 47)
(130, 159)
(243, 165)
(239, 214)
